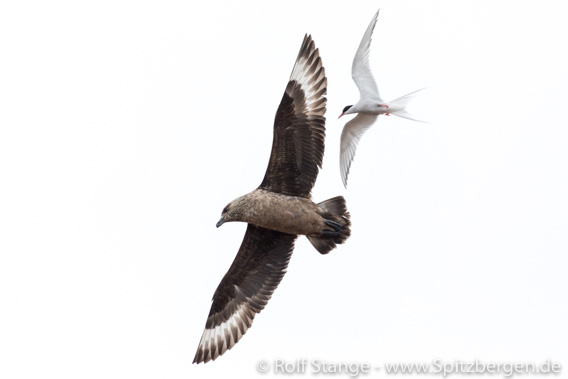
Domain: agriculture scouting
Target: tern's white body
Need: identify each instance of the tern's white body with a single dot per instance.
(375, 107)
(370, 104)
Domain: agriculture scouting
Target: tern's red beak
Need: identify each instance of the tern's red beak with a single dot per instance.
(341, 115)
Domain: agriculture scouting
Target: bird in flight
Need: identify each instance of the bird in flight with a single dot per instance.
(369, 106)
(278, 211)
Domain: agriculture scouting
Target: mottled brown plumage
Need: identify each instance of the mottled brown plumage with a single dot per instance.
(278, 210)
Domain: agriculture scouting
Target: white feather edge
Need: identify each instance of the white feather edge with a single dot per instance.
(209, 342)
(311, 83)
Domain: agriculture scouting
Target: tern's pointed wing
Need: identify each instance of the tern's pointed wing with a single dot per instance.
(244, 291)
(352, 133)
(299, 127)
(361, 70)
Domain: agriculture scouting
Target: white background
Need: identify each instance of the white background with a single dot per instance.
(126, 127)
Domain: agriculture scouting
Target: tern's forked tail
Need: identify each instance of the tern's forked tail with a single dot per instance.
(398, 106)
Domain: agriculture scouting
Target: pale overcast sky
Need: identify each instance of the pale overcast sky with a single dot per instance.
(127, 126)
